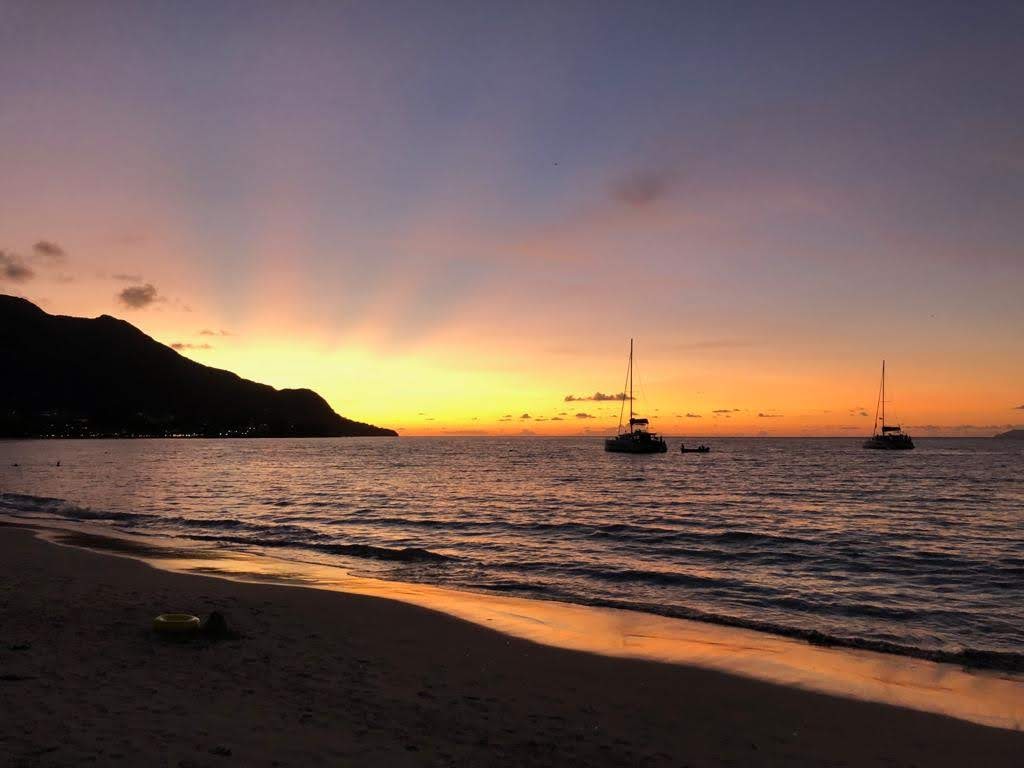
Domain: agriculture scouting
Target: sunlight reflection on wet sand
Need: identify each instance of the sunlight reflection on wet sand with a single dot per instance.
(990, 698)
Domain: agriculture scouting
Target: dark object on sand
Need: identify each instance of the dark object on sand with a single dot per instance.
(698, 449)
(215, 627)
(176, 624)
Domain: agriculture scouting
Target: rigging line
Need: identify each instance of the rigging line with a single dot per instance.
(878, 402)
(640, 384)
(622, 402)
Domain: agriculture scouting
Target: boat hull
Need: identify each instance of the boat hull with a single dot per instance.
(629, 445)
(889, 443)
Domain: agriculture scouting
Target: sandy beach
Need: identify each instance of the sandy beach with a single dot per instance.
(322, 678)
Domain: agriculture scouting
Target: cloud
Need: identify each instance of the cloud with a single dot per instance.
(49, 250)
(179, 345)
(524, 416)
(769, 415)
(1019, 408)
(527, 432)
(694, 416)
(642, 187)
(582, 415)
(138, 296)
(597, 397)
(208, 332)
(726, 410)
(692, 346)
(127, 277)
(12, 268)
(556, 418)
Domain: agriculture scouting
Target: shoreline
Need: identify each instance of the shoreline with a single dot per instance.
(984, 696)
(327, 678)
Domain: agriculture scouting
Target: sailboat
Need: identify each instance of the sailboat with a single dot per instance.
(890, 438)
(636, 439)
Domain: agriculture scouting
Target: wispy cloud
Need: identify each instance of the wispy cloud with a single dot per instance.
(642, 187)
(208, 332)
(180, 345)
(726, 410)
(138, 296)
(524, 417)
(127, 277)
(597, 397)
(1019, 408)
(694, 416)
(582, 415)
(769, 415)
(692, 346)
(14, 269)
(49, 250)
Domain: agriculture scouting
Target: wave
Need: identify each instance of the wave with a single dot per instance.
(862, 624)
(275, 536)
(976, 658)
(365, 551)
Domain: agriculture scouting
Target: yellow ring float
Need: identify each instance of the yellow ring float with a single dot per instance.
(176, 623)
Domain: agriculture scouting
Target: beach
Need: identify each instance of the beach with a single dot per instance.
(325, 678)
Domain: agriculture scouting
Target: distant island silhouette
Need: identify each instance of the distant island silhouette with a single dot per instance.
(103, 377)
(1013, 434)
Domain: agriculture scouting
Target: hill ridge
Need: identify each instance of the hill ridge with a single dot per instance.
(68, 376)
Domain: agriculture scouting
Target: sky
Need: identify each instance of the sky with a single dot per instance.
(450, 218)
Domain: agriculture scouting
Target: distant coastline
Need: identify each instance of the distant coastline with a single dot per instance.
(1013, 434)
(73, 377)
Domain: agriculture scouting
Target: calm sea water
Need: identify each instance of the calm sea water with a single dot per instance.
(918, 552)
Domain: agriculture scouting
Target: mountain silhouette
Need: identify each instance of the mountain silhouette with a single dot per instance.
(1013, 434)
(78, 377)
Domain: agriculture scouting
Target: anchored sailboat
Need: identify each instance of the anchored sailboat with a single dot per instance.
(637, 439)
(890, 438)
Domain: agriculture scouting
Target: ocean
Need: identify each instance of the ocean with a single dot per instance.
(917, 552)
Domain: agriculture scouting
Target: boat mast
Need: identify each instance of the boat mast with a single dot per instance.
(630, 385)
(883, 396)
(878, 402)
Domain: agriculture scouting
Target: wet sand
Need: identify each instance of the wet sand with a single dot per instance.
(326, 678)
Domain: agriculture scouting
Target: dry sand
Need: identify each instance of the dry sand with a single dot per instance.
(321, 678)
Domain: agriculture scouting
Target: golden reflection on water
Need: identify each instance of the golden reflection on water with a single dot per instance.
(989, 698)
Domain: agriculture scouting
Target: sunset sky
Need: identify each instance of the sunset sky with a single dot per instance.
(449, 217)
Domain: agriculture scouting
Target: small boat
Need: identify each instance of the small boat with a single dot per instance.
(889, 437)
(698, 449)
(637, 439)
